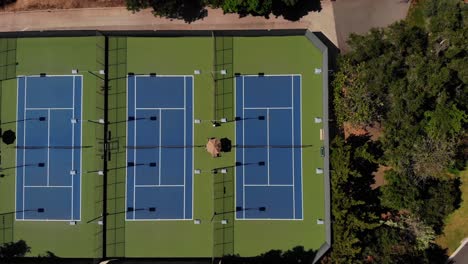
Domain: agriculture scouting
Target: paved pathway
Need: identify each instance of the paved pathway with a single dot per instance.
(118, 18)
(460, 256)
(359, 16)
(336, 19)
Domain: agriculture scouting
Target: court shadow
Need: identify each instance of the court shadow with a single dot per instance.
(4, 3)
(12, 250)
(188, 10)
(295, 12)
(295, 255)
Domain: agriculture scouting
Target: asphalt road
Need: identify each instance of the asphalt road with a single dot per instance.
(460, 256)
(359, 16)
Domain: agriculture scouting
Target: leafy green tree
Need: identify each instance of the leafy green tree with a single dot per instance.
(413, 80)
(188, 10)
(137, 5)
(446, 121)
(389, 245)
(350, 212)
(423, 234)
(431, 200)
(290, 2)
(244, 7)
(353, 101)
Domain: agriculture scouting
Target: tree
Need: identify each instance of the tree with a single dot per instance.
(191, 10)
(256, 7)
(137, 5)
(413, 80)
(422, 233)
(351, 216)
(353, 101)
(188, 10)
(296, 255)
(431, 200)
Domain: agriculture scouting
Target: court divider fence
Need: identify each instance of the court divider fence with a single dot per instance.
(98, 187)
(224, 217)
(116, 138)
(7, 72)
(223, 74)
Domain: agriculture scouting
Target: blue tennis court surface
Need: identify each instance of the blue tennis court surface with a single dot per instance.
(48, 152)
(269, 132)
(159, 165)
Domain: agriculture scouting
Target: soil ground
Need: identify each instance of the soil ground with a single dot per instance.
(25, 5)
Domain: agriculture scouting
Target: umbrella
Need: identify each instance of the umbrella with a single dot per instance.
(213, 147)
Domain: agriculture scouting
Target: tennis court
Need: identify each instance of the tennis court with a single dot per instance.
(159, 165)
(48, 154)
(269, 180)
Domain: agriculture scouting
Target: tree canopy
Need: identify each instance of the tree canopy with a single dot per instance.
(412, 79)
(191, 10)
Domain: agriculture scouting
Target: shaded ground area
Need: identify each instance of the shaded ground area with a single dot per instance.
(379, 177)
(461, 255)
(374, 130)
(456, 229)
(23, 5)
(358, 16)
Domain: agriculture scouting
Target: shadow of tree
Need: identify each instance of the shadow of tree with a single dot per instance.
(14, 250)
(295, 12)
(188, 10)
(365, 155)
(6, 2)
(295, 255)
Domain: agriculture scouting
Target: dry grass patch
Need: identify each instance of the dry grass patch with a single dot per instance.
(456, 227)
(25, 5)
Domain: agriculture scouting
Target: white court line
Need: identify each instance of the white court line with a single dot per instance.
(134, 143)
(24, 138)
(272, 108)
(292, 128)
(81, 143)
(50, 75)
(159, 108)
(269, 185)
(50, 186)
(185, 138)
(160, 75)
(45, 220)
(48, 146)
(268, 146)
(185, 151)
(126, 150)
(292, 136)
(235, 152)
(158, 186)
(49, 108)
(272, 75)
(158, 220)
(160, 138)
(16, 151)
(302, 155)
(193, 140)
(269, 219)
(243, 151)
(73, 145)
